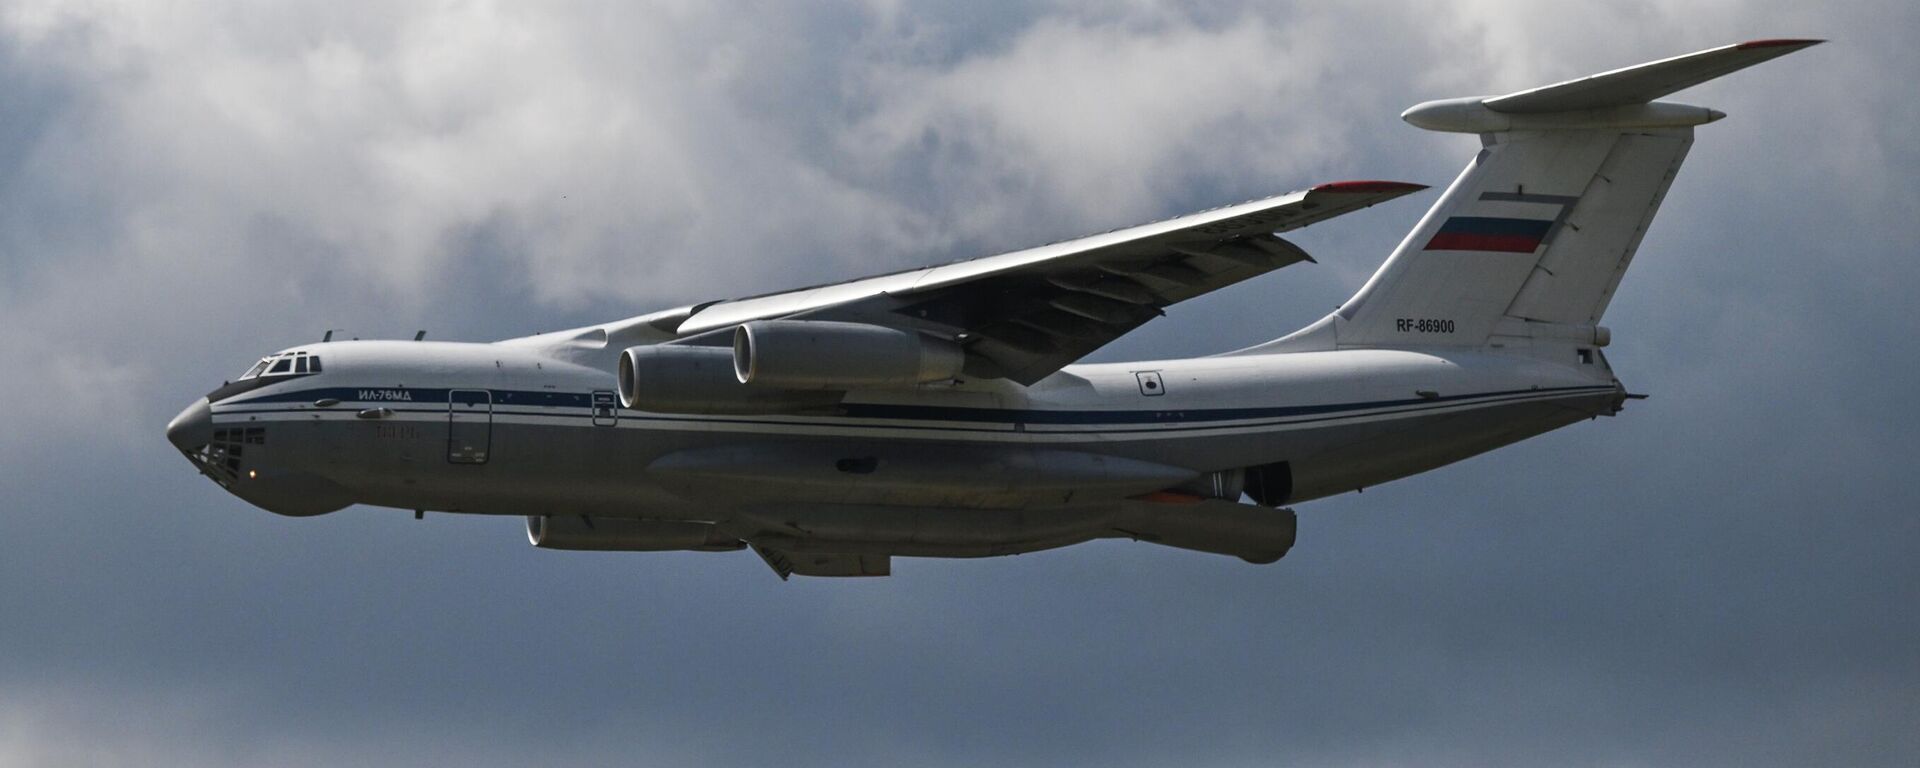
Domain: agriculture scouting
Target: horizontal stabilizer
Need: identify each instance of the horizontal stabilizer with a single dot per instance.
(1643, 83)
(1622, 99)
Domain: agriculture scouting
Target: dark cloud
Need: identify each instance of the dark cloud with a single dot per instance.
(1721, 576)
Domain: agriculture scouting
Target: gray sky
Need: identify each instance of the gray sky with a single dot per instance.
(1725, 575)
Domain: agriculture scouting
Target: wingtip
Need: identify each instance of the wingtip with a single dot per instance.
(1781, 42)
(1367, 187)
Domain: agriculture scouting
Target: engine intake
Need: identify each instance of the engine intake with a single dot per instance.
(823, 355)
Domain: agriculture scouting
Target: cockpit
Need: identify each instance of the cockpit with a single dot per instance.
(283, 364)
(271, 369)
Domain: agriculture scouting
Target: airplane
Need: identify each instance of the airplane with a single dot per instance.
(942, 412)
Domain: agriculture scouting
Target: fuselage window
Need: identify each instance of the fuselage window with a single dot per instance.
(282, 365)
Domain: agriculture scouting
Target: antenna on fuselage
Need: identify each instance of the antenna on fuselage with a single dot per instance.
(419, 335)
(327, 337)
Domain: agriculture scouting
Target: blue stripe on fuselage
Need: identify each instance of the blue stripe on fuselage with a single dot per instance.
(876, 411)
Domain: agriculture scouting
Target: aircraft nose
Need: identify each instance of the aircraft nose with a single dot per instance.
(193, 427)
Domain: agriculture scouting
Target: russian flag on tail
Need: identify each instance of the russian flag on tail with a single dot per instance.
(1485, 233)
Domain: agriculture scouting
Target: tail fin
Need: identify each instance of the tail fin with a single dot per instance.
(1544, 221)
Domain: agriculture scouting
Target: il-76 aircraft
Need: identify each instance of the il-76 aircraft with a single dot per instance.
(940, 412)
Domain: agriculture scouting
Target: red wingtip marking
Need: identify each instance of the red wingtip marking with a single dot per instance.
(1775, 43)
(1367, 187)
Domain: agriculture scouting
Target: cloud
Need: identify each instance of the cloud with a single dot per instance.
(1098, 122)
(184, 187)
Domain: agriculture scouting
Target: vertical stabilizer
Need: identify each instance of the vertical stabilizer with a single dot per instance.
(1543, 223)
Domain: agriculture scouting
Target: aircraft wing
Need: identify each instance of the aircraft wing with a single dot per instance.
(1025, 314)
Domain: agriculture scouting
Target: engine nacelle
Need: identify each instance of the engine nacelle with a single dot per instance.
(619, 534)
(822, 355)
(673, 378)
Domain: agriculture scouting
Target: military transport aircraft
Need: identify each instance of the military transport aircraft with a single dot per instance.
(939, 412)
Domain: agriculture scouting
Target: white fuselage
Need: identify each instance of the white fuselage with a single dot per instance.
(515, 429)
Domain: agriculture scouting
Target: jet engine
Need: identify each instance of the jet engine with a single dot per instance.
(821, 355)
(674, 378)
(619, 534)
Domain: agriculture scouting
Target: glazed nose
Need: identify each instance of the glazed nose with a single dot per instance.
(193, 427)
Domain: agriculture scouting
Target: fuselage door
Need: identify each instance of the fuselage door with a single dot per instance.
(606, 408)
(469, 425)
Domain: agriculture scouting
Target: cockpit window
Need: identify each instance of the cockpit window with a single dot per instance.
(283, 364)
(271, 370)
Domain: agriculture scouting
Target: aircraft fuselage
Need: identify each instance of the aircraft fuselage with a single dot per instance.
(967, 468)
